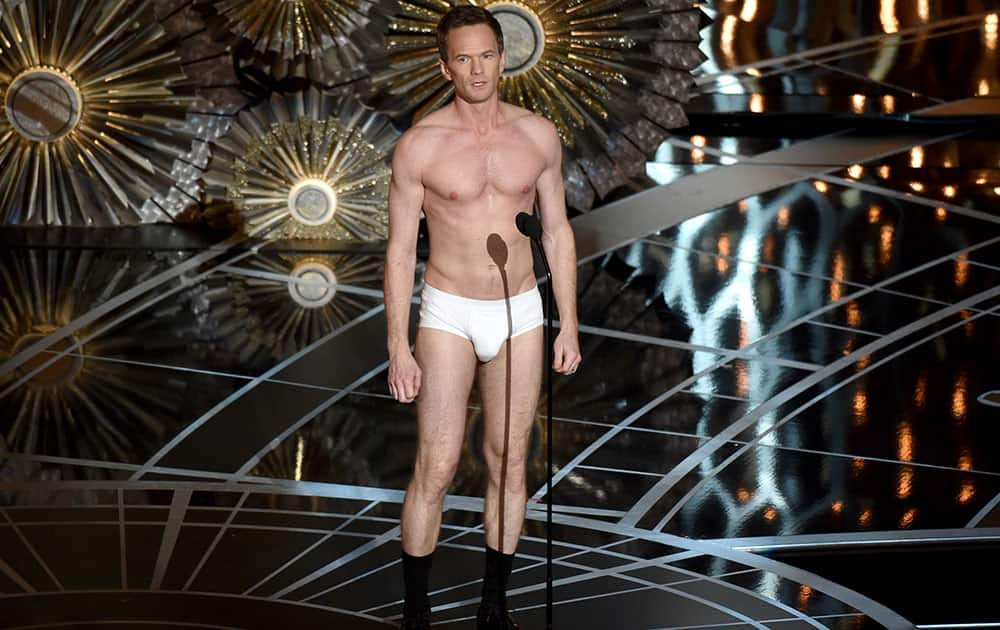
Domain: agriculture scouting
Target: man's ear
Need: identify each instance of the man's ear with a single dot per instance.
(444, 69)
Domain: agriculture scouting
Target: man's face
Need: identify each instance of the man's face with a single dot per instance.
(474, 63)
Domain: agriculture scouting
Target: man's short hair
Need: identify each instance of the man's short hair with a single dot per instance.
(465, 15)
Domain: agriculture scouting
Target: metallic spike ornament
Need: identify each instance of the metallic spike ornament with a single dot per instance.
(306, 165)
(91, 120)
(610, 75)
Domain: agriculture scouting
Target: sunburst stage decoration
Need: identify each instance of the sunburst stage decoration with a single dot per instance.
(306, 165)
(91, 122)
(276, 304)
(610, 75)
(326, 40)
(86, 404)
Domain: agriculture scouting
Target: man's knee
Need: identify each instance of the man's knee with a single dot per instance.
(516, 462)
(434, 476)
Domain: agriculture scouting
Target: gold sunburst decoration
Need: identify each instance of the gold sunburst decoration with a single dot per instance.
(91, 121)
(610, 75)
(278, 303)
(307, 165)
(87, 403)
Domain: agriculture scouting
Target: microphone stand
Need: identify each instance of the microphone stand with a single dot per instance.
(535, 236)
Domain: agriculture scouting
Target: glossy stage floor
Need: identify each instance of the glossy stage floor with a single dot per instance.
(786, 415)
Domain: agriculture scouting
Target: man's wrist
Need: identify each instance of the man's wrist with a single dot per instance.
(398, 348)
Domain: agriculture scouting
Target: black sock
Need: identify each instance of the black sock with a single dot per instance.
(416, 575)
(498, 566)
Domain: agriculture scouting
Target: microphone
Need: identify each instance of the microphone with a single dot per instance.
(529, 225)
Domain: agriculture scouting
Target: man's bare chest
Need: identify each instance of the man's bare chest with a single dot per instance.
(466, 171)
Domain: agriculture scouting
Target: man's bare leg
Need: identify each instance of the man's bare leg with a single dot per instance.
(448, 366)
(526, 377)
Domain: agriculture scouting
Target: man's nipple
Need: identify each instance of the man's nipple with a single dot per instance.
(453, 195)
(526, 190)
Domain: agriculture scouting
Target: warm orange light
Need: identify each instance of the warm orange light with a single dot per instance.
(768, 249)
(742, 495)
(874, 213)
(857, 466)
(990, 32)
(949, 191)
(904, 442)
(888, 104)
(837, 507)
(967, 491)
(860, 407)
(864, 361)
(887, 16)
(865, 518)
(770, 514)
(727, 36)
(961, 270)
(699, 141)
(853, 314)
(836, 291)
(904, 482)
(724, 246)
(984, 88)
(858, 102)
(920, 391)
(757, 103)
(697, 156)
(783, 216)
(959, 397)
(805, 594)
(754, 72)
(821, 186)
(940, 214)
(884, 171)
(886, 235)
(917, 186)
(742, 381)
(749, 10)
(965, 460)
(924, 10)
(916, 157)
(907, 519)
(855, 171)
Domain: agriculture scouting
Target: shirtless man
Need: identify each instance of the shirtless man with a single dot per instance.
(472, 166)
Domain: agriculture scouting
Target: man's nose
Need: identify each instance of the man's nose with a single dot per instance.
(477, 66)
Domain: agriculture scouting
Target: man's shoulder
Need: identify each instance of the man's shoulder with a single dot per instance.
(423, 134)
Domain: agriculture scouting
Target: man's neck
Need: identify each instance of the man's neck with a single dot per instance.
(480, 117)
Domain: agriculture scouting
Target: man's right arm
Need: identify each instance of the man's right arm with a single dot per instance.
(406, 196)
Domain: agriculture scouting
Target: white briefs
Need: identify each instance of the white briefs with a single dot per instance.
(483, 322)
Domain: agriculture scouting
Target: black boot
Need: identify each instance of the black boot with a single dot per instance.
(494, 617)
(419, 621)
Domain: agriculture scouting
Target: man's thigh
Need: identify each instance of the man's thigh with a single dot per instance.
(448, 368)
(526, 352)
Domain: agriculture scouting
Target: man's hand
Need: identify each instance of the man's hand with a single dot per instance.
(566, 352)
(404, 377)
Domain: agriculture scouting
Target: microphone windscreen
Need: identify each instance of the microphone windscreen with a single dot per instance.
(529, 225)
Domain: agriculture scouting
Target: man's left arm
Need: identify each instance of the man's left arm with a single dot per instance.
(560, 249)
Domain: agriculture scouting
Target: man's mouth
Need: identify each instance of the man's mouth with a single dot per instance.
(478, 83)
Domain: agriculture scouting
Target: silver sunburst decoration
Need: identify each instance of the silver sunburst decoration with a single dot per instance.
(611, 75)
(89, 128)
(326, 40)
(306, 165)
